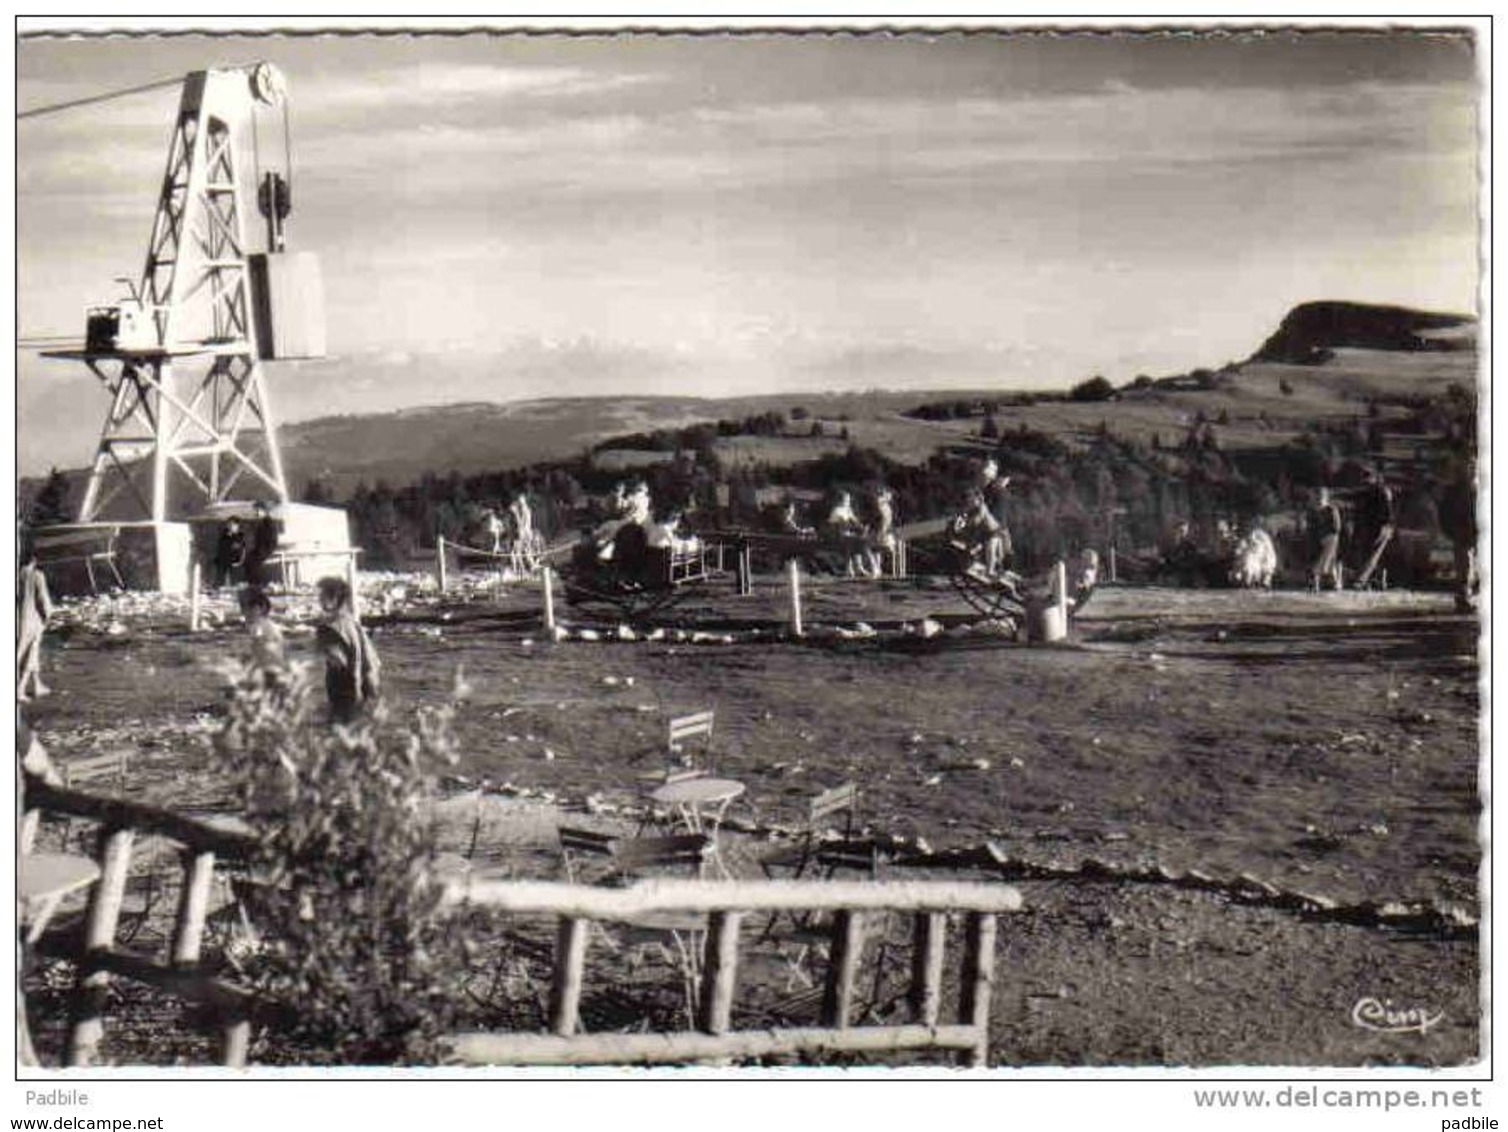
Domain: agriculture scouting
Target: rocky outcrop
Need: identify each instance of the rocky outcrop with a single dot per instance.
(1311, 332)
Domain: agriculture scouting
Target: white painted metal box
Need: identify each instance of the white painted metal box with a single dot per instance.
(289, 296)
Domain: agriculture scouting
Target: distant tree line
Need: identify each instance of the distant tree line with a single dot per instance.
(962, 409)
(1062, 497)
(703, 437)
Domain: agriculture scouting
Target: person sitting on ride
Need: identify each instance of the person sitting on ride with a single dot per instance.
(639, 508)
(998, 548)
(975, 528)
(843, 523)
(633, 509)
(842, 518)
(665, 535)
(1225, 538)
(1180, 556)
(1084, 577)
(884, 532)
(790, 522)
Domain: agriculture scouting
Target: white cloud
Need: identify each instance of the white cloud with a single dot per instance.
(796, 142)
(430, 84)
(341, 129)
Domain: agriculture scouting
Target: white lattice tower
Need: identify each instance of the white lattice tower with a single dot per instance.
(189, 399)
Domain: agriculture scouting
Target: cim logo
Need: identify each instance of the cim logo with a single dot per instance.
(1384, 1018)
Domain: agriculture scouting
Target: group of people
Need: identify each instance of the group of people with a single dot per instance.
(353, 670)
(1375, 522)
(982, 525)
(245, 551)
(510, 535)
(631, 506)
(981, 529)
(1243, 556)
(514, 524)
(843, 522)
(1360, 534)
(873, 541)
(1375, 525)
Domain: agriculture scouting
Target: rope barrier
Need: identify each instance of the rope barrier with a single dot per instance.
(539, 550)
(478, 552)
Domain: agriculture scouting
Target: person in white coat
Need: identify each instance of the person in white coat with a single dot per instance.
(34, 608)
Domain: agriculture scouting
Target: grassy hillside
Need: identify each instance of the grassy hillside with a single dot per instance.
(1258, 404)
(472, 438)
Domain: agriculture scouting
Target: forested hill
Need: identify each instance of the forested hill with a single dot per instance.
(1337, 387)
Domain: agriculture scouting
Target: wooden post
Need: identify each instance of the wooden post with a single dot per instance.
(351, 583)
(721, 973)
(743, 561)
(978, 981)
(928, 935)
(93, 985)
(26, 1053)
(440, 562)
(1113, 578)
(565, 988)
(194, 581)
(793, 571)
(843, 968)
(235, 1042)
(547, 579)
(193, 904)
(26, 834)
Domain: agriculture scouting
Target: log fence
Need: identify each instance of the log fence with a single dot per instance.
(207, 845)
(204, 846)
(726, 904)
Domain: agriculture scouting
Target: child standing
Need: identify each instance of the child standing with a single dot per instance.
(1324, 527)
(352, 669)
(265, 634)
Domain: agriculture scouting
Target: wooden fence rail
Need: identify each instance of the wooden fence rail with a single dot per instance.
(725, 903)
(97, 952)
(210, 844)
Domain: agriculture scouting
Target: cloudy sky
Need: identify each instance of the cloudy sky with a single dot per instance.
(508, 217)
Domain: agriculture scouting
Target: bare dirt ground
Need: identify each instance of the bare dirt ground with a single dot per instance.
(1323, 744)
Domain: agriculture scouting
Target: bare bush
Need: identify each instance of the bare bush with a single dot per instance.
(354, 943)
